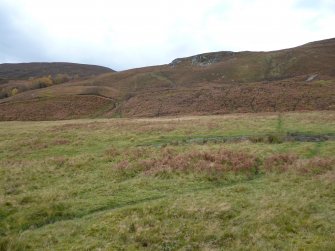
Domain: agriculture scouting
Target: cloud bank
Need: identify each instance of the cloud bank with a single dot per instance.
(127, 34)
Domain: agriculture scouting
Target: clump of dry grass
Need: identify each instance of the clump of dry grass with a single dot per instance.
(112, 152)
(218, 162)
(315, 165)
(61, 142)
(138, 153)
(36, 143)
(59, 161)
(122, 165)
(132, 154)
(280, 162)
(290, 162)
(200, 161)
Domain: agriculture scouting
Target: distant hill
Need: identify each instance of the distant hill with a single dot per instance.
(19, 78)
(29, 70)
(296, 79)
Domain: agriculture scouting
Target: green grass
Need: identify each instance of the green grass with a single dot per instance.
(154, 184)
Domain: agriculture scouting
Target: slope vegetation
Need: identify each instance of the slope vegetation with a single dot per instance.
(301, 78)
(28, 70)
(19, 78)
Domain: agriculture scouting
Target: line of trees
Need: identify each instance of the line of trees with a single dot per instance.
(34, 83)
(48, 80)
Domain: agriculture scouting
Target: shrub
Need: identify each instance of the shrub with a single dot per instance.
(43, 81)
(61, 78)
(14, 91)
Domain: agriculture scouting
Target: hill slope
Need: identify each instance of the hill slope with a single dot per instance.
(19, 78)
(301, 78)
(28, 70)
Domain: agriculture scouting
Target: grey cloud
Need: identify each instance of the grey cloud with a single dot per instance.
(16, 44)
(35, 30)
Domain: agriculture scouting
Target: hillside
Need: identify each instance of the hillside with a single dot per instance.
(19, 78)
(29, 70)
(300, 78)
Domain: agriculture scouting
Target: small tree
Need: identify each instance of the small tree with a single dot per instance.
(14, 91)
(43, 81)
(61, 78)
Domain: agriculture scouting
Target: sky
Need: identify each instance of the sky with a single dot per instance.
(126, 34)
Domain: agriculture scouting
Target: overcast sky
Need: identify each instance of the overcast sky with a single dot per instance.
(124, 34)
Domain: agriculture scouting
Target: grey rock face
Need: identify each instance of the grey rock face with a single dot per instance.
(204, 59)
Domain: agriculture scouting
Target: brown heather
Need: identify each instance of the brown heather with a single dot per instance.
(280, 162)
(223, 161)
(242, 82)
(217, 161)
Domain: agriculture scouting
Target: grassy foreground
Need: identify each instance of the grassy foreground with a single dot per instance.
(234, 182)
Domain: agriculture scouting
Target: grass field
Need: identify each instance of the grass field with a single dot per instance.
(233, 182)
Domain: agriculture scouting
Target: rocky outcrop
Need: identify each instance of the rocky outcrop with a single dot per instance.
(204, 59)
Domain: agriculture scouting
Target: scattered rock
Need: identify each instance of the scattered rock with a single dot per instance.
(311, 78)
